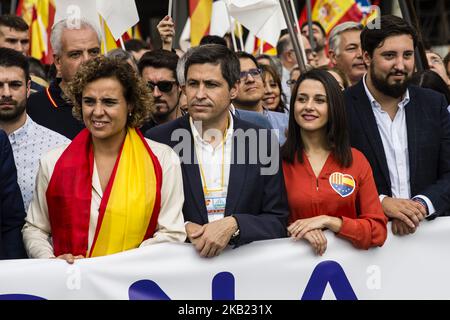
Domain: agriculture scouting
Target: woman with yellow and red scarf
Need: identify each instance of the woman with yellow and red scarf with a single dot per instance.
(110, 190)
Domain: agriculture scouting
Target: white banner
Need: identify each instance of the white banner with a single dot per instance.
(409, 267)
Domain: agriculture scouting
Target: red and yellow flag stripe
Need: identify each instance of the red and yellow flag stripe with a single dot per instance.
(200, 13)
(130, 205)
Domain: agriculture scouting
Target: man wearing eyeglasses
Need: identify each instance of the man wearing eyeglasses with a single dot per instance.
(251, 92)
(159, 69)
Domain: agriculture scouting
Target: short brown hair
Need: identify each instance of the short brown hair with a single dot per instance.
(136, 92)
(13, 22)
(372, 38)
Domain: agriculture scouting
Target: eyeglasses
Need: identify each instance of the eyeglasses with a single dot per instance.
(256, 72)
(291, 82)
(163, 86)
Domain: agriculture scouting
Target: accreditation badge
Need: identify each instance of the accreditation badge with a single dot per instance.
(215, 205)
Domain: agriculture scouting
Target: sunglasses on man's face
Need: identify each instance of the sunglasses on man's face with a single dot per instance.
(163, 86)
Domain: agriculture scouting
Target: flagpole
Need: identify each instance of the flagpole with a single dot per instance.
(409, 15)
(122, 44)
(308, 10)
(170, 9)
(233, 37)
(241, 42)
(12, 9)
(294, 37)
(105, 47)
(261, 46)
(295, 16)
(302, 47)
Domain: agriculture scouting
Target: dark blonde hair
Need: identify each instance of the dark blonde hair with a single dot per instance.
(135, 90)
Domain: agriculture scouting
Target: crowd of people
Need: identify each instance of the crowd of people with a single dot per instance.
(107, 153)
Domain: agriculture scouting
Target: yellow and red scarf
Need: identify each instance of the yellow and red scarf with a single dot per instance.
(130, 205)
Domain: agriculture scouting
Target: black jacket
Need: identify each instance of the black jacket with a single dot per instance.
(51, 109)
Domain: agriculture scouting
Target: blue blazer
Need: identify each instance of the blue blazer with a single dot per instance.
(428, 126)
(258, 202)
(12, 212)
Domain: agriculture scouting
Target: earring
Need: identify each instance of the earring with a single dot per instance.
(130, 114)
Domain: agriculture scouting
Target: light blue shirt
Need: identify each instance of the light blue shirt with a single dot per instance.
(279, 122)
(29, 143)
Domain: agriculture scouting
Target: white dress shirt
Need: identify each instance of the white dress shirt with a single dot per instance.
(394, 136)
(286, 75)
(211, 160)
(170, 226)
(29, 143)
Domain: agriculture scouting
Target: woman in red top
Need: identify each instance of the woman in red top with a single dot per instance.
(329, 184)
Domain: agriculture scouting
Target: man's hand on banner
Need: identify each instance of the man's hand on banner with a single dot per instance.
(211, 238)
(400, 228)
(406, 210)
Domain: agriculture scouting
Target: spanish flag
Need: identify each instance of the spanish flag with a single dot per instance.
(39, 15)
(129, 208)
(333, 12)
(200, 13)
(132, 33)
(266, 48)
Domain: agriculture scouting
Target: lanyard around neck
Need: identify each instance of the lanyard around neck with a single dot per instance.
(207, 190)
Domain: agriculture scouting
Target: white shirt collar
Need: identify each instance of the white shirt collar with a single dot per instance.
(374, 103)
(197, 137)
(21, 132)
(232, 109)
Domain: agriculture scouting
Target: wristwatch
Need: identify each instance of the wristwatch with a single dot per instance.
(235, 234)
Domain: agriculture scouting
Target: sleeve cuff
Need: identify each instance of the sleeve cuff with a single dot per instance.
(431, 209)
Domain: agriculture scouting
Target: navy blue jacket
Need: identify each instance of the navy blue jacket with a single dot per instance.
(258, 202)
(12, 212)
(428, 126)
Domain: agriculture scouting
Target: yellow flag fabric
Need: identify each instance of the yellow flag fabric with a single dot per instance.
(133, 199)
(330, 12)
(200, 13)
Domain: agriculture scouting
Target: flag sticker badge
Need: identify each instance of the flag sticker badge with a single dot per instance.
(343, 184)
